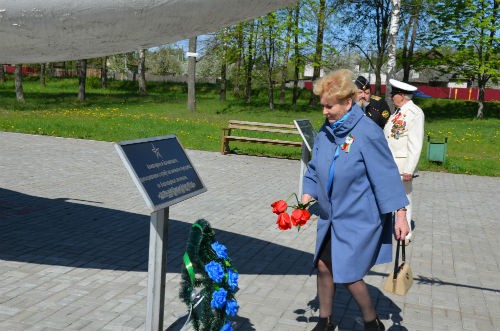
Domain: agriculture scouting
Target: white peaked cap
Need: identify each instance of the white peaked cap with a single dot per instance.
(401, 87)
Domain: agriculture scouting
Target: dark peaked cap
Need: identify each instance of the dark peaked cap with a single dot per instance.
(401, 87)
(362, 83)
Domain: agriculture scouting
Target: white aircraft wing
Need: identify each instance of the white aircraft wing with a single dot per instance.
(38, 31)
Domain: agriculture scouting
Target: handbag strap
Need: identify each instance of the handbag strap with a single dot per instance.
(396, 260)
(403, 255)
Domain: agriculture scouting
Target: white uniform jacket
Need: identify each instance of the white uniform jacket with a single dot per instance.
(404, 132)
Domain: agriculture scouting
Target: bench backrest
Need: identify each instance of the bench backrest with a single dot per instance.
(263, 127)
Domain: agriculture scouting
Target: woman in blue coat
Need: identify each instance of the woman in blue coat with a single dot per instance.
(353, 177)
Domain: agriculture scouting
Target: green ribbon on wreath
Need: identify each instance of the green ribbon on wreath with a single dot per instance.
(187, 260)
(189, 267)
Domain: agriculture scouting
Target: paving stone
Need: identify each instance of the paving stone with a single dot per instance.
(74, 234)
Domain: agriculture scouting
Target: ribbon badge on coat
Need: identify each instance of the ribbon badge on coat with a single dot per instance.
(346, 146)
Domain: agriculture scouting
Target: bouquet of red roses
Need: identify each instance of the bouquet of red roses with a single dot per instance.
(299, 216)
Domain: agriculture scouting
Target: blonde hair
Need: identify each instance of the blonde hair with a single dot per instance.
(337, 84)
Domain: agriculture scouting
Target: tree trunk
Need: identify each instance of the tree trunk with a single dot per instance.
(42, 74)
(192, 75)
(409, 47)
(284, 70)
(404, 55)
(142, 72)
(82, 77)
(391, 47)
(481, 84)
(18, 76)
(295, 94)
(104, 72)
(223, 68)
(377, 70)
(240, 39)
(381, 22)
(2, 74)
(270, 93)
(223, 78)
(269, 55)
(480, 113)
(313, 100)
(249, 64)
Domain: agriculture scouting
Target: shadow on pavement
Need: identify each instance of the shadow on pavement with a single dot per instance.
(68, 233)
(346, 313)
(434, 281)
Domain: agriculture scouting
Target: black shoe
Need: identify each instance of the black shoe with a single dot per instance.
(375, 325)
(324, 324)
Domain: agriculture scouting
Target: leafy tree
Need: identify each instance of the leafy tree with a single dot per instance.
(470, 29)
(223, 66)
(124, 63)
(297, 58)
(239, 51)
(318, 53)
(414, 14)
(217, 58)
(209, 65)
(249, 59)
(167, 60)
(286, 54)
(366, 28)
(269, 30)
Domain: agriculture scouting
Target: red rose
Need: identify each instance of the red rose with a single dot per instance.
(279, 206)
(300, 217)
(283, 221)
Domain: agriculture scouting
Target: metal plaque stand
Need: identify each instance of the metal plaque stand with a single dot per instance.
(304, 160)
(157, 265)
(308, 135)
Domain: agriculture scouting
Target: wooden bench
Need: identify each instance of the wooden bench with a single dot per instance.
(257, 127)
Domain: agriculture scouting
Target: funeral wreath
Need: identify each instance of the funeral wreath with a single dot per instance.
(209, 281)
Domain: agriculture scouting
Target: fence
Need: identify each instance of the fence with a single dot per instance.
(457, 93)
(446, 92)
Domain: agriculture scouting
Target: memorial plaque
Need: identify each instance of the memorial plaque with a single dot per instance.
(307, 132)
(161, 170)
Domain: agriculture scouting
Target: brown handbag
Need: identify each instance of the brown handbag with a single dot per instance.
(401, 279)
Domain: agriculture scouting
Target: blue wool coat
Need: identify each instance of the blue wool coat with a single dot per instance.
(366, 185)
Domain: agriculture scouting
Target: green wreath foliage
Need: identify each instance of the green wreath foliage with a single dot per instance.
(198, 287)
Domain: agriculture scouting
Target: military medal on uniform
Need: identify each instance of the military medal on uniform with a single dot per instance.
(398, 125)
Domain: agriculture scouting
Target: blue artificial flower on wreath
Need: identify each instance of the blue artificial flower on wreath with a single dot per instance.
(219, 298)
(232, 307)
(220, 250)
(215, 271)
(227, 327)
(232, 279)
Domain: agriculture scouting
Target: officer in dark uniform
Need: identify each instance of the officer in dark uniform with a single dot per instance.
(374, 106)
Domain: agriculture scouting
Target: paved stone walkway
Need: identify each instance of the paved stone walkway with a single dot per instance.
(74, 244)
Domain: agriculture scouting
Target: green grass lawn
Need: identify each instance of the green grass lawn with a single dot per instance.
(118, 113)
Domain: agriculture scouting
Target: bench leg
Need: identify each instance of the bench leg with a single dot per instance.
(225, 143)
(224, 146)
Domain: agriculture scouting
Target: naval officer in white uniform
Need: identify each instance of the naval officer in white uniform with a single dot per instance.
(404, 132)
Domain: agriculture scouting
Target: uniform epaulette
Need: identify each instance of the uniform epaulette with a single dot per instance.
(375, 97)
